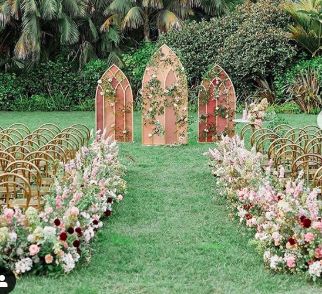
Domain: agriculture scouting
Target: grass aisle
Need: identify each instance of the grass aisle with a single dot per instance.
(169, 235)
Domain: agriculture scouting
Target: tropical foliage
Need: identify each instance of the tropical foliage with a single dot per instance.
(307, 30)
(164, 14)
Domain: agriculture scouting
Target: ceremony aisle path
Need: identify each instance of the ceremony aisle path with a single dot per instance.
(171, 234)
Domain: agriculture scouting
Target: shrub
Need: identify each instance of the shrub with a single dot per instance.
(302, 83)
(249, 43)
(135, 63)
(10, 89)
(51, 86)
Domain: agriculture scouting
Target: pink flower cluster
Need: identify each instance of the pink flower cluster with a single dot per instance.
(286, 215)
(56, 238)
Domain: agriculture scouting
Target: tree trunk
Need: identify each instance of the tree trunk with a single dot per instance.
(146, 26)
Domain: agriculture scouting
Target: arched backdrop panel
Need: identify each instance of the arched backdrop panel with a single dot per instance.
(114, 105)
(165, 100)
(216, 106)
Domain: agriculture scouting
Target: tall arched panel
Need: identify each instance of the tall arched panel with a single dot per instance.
(216, 106)
(114, 105)
(165, 100)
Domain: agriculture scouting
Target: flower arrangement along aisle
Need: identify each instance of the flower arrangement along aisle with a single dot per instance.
(56, 238)
(286, 215)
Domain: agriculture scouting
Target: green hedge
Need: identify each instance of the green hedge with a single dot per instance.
(51, 86)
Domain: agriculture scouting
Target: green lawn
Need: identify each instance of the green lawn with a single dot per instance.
(170, 234)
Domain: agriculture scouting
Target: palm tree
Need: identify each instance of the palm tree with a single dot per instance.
(166, 14)
(31, 23)
(30, 29)
(307, 30)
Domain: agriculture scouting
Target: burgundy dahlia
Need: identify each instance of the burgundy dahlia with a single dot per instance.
(292, 241)
(248, 216)
(95, 222)
(109, 200)
(306, 222)
(76, 243)
(108, 212)
(70, 230)
(57, 222)
(78, 230)
(63, 236)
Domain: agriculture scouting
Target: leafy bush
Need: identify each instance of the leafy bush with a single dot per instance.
(287, 107)
(51, 86)
(249, 43)
(135, 63)
(303, 84)
(10, 90)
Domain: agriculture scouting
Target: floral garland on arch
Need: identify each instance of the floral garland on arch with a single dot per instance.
(58, 237)
(159, 97)
(286, 215)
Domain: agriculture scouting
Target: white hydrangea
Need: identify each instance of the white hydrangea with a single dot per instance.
(49, 233)
(315, 269)
(68, 262)
(23, 265)
(275, 261)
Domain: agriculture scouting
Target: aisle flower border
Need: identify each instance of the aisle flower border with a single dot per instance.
(56, 238)
(286, 215)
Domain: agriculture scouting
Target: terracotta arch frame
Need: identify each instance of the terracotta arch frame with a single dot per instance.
(216, 106)
(114, 105)
(165, 100)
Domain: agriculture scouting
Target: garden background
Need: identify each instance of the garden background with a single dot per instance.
(52, 53)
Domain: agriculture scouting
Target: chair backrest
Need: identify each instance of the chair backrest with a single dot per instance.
(309, 164)
(314, 146)
(14, 185)
(5, 159)
(277, 144)
(287, 154)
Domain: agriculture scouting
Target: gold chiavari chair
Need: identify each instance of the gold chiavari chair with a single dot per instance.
(286, 156)
(309, 164)
(15, 191)
(277, 144)
(314, 146)
(282, 129)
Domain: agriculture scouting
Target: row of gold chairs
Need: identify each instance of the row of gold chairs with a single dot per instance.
(296, 149)
(29, 160)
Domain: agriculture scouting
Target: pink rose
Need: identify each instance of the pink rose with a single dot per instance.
(119, 197)
(8, 213)
(33, 249)
(317, 225)
(74, 211)
(309, 237)
(290, 261)
(318, 252)
(49, 258)
(49, 210)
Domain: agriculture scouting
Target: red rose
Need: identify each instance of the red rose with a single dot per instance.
(70, 230)
(63, 236)
(76, 243)
(95, 222)
(292, 241)
(57, 222)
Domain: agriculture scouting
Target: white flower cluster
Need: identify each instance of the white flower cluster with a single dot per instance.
(23, 265)
(315, 269)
